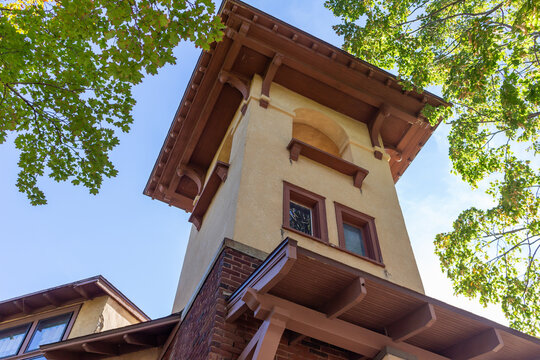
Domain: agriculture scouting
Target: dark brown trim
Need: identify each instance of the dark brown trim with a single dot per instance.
(297, 147)
(126, 339)
(217, 177)
(489, 341)
(412, 324)
(310, 199)
(346, 215)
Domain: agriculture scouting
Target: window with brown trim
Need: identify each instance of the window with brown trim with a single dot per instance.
(21, 339)
(304, 212)
(357, 233)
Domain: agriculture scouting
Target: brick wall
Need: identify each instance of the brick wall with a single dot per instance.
(204, 334)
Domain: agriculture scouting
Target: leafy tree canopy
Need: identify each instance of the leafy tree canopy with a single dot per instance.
(484, 55)
(66, 72)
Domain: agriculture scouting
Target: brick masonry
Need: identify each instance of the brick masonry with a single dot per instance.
(204, 334)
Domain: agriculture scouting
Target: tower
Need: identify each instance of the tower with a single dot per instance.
(277, 126)
(286, 151)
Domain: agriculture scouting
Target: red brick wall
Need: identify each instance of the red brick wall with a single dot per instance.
(204, 334)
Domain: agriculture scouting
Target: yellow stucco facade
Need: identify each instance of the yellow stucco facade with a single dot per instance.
(100, 314)
(248, 207)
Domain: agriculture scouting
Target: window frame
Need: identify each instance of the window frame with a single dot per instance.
(34, 320)
(310, 200)
(366, 223)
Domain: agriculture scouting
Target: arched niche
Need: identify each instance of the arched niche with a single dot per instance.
(320, 131)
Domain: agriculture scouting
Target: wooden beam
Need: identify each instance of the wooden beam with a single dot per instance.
(268, 78)
(264, 278)
(81, 291)
(23, 307)
(100, 348)
(53, 300)
(335, 331)
(264, 344)
(353, 294)
(140, 340)
(412, 324)
(489, 341)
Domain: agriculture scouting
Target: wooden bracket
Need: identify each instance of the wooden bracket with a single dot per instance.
(264, 344)
(489, 341)
(353, 294)
(195, 173)
(269, 77)
(236, 82)
(375, 126)
(412, 323)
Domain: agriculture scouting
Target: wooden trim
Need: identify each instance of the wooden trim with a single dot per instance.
(217, 177)
(307, 198)
(375, 126)
(33, 321)
(297, 147)
(265, 342)
(350, 296)
(346, 215)
(412, 324)
(489, 341)
(269, 273)
(268, 78)
(336, 332)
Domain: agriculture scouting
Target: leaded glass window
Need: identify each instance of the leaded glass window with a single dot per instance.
(49, 331)
(354, 239)
(12, 339)
(301, 218)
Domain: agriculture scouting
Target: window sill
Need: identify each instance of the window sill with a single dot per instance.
(297, 148)
(305, 235)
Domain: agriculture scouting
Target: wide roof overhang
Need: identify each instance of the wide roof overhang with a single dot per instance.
(257, 43)
(311, 295)
(64, 295)
(116, 342)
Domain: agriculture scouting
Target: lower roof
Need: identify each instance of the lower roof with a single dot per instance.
(128, 339)
(395, 315)
(66, 294)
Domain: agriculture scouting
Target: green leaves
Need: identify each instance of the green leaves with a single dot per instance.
(485, 57)
(66, 73)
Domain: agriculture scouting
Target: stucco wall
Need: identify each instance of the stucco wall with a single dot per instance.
(100, 314)
(88, 319)
(218, 222)
(266, 165)
(248, 207)
(115, 316)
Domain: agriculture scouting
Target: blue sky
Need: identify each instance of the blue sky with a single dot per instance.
(138, 244)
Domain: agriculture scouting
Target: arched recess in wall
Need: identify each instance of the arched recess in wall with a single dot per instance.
(321, 131)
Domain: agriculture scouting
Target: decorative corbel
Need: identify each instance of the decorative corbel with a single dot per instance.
(268, 78)
(375, 126)
(238, 83)
(194, 173)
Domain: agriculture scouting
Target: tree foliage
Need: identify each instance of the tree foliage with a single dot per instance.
(484, 55)
(67, 68)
